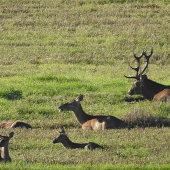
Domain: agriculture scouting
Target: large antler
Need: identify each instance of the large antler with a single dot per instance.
(138, 67)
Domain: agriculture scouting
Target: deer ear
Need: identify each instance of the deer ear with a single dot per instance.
(79, 98)
(63, 131)
(11, 134)
(58, 132)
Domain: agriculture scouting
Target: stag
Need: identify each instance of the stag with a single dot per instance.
(4, 153)
(149, 89)
(14, 124)
(67, 143)
(98, 122)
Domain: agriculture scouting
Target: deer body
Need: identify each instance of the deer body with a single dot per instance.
(147, 88)
(97, 122)
(14, 124)
(67, 143)
(4, 153)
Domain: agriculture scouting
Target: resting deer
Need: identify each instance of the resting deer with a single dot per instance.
(98, 122)
(67, 143)
(4, 153)
(14, 124)
(150, 90)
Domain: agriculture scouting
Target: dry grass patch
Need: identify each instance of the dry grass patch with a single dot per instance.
(148, 114)
(138, 118)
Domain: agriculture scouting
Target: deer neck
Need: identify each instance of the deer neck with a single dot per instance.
(82, 117)
(5, 154)
(67, 142)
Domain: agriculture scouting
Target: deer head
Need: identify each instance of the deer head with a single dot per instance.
(71, 106)
(5, 139)
(61, 137)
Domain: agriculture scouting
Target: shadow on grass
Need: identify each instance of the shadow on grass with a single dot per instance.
(133, 99)
(65, 126)
(11, 94)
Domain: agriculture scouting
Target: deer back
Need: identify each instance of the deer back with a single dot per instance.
(93, 146)
(14, 124)
(104, 122)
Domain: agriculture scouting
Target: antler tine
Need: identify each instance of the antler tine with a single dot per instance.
(147, 60)
(138, 58)
(149, 54)
(132, 77)
(136, 69)
(138, 61)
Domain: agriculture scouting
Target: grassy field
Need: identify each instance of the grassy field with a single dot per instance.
(51, 51)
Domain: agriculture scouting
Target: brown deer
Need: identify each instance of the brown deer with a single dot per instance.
(4, 153)
(67, 143)
(98, 122)
(149, 89)
(14, 124)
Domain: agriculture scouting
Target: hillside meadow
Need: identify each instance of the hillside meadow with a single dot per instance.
(52, 51)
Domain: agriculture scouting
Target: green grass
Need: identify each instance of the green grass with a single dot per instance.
(51, 51)
(123, 149)
(81, 167)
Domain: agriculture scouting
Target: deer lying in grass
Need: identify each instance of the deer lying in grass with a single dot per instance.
(67, 143)
(149, 89)
(14, 124)
(98, 122)
(4, 153)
